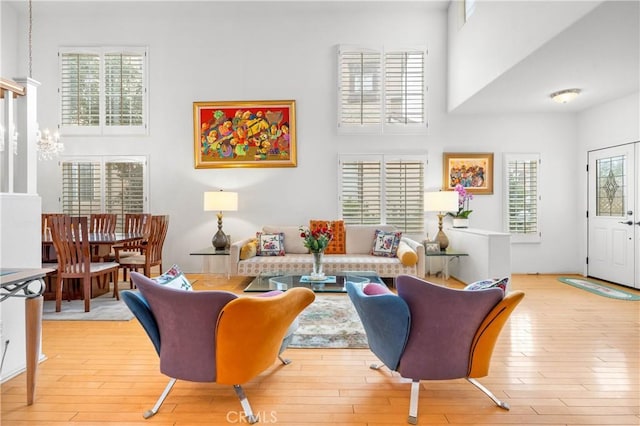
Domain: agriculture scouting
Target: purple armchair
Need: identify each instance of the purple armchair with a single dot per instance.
(430, 332)
(214, 336)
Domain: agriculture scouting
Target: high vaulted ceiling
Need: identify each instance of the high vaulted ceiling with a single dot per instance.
(599, 54)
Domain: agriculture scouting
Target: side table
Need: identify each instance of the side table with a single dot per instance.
(446, 256)
(15, 282)
(212, 251)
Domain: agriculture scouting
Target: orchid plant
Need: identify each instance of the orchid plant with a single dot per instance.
(463, 202)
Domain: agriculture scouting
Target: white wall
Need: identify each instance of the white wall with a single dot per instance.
(206, 51)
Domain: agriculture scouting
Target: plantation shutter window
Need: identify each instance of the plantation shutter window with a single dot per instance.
(104, 185)
(124, 89)
(404, 195)
(360, 88)
(404, 88)
(361, 192)
(81, 187)
(522, 198)
(103, 91)
(80, 89)
(377, 189)
(381, 91)
(124, 188)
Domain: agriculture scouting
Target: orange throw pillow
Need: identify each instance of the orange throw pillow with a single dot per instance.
(338, 244)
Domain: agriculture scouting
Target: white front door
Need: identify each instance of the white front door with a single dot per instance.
(613, 218)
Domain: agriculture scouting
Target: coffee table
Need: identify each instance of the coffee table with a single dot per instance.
(333, 284)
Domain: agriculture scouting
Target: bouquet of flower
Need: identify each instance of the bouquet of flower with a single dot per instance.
(463, 202)
(317, 240)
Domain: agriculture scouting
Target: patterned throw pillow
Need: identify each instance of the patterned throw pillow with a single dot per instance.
(174, 278)
(385, 244)
(489, 283)
(270, 244)
(338, 242)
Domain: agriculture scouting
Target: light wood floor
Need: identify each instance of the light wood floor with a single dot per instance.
(566, 357)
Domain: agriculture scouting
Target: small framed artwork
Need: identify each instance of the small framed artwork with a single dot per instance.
(474, 171)
(244, 134)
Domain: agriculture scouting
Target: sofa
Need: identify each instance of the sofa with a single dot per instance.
(356, 252)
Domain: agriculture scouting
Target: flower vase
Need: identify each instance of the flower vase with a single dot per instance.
(317, 273)
(459, 222)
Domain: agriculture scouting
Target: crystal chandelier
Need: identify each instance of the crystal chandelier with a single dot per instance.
(49, 145)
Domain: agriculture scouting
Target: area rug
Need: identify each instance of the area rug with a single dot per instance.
(103, 308)
(599, 288)
(330, 322)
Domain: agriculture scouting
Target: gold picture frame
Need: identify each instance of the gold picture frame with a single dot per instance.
(473, 170)
(244, 134)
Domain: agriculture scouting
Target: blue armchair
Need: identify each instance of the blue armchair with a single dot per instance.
(430, 332)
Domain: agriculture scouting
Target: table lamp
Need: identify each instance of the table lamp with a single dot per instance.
(220, 201)
(441, 202)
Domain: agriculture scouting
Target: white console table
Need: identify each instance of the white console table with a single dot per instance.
(489, 254)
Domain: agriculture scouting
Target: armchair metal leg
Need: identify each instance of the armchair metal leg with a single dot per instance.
(251, 419)
(376, 366)
(413, 402)
(160, 400)
(284, 361)
(490, 394)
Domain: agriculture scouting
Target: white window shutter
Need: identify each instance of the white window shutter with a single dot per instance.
(361, 191)
(522, 197)
(104, 185)
(80, 89)
(404, 195)
(359, 89)
(404, 88)
(103, 91)
(81, 187)
(380, 189)
(124, 89)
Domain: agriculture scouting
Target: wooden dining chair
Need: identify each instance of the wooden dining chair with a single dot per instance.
(71, 241)
(102, 223)
(151, 252)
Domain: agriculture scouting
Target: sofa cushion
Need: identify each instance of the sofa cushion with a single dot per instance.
(248, 250)
(173, 278)
(337, 245)
(293, 243)
(386, 243)
(270, 244)
(359, 237)
(406, 254)
(489, 283)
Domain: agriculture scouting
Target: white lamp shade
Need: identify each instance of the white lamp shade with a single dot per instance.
(220, 201)
(441, 201)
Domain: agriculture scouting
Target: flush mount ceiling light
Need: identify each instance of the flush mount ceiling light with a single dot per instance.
(564, 96)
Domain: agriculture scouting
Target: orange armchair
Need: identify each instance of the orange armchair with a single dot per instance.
(214, 336)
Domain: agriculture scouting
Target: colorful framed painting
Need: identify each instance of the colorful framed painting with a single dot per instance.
(244, 134)
(473, 171)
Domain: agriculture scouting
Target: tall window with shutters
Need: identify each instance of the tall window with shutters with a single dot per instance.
(381, 91)
(104, 185)
(383, 189)
(103, 90)
(522, 198)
